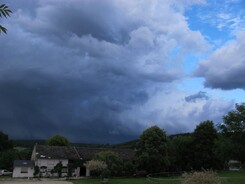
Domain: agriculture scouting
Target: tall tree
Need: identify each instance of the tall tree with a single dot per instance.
(58, 140)
(7, 158)
(152, 150)
(5, 143)
(180, 152)
(4, 12)
(204, 138)
(233, 127)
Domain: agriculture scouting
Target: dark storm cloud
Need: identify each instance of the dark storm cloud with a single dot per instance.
(75, 85)
(225, 68)
(201, 95)
(78, 68)
(103, 20)
(231, 79)
(43, 105)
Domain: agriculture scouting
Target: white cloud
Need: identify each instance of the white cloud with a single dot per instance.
(225, 68)
(170, 110)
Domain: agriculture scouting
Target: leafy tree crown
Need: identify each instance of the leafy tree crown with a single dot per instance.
(58, 140)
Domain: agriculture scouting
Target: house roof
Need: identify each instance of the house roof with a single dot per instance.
(89, 153)
(56, 152)
(75, 153)
(24, 163)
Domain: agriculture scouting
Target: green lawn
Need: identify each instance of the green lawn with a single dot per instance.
(235, 177)
(126, 181)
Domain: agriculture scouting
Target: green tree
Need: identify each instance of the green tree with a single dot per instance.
(5, 143)
(180, 152)
(58, 140)
(233, 127)
(4, 12)
(25, 154)
(7, 158)
(224, 150)
(204, 138)
(113, 161)
(129, 168)
(151, 154)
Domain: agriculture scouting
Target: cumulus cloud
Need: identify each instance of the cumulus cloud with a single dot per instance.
(170, 110)
(92, 70)
(225, 68)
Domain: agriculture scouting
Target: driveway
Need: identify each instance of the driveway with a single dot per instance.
(34, 182)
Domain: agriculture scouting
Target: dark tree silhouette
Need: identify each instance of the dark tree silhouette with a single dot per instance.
(4, 12)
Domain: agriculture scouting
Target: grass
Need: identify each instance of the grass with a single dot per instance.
(126, 181)
(233, 177)
(230, 177)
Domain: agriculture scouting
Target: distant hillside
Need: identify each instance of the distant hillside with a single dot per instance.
(27, 143)
(182, 134)
(31, 143)
(126, 145)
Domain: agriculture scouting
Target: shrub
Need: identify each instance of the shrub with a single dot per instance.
(105, 173)
(36, 171)
(95, 167)
(113, 161)
(58, 169)
(205, 177)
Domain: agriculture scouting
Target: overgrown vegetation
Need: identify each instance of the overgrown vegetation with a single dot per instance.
(205, 177)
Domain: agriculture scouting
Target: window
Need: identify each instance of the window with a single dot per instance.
(43, 169)
(24, 170)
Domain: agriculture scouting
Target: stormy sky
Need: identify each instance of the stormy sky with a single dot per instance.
(103, 71)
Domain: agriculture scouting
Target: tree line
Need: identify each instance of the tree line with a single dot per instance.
(208, 147)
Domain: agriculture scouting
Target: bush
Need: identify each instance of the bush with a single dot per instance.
(36, 171)
(205, 177)
(105, 173)
(113, 161)
(95, 167)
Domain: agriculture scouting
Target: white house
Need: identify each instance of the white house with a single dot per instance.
(47, 157)
(23, 169)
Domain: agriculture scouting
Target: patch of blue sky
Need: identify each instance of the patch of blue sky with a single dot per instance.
(174, 52)
(236, 95)
(191, 61)
(191, 85)
(198, 20)
(217, 20)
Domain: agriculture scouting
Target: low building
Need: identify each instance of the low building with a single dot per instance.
(23, 169)
(47, 157)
